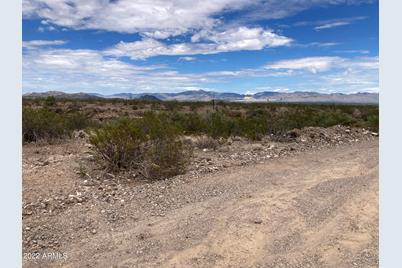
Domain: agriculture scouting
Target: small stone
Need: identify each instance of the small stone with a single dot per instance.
(93, 231)
(257, 221)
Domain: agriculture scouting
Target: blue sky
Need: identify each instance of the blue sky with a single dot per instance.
(228, 45)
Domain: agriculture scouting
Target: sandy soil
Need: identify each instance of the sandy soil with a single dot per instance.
(316, 208)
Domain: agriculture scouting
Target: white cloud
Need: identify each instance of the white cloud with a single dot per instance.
(40, 43)
(347, 75)
(238, 38)
(160, 18)
(354, 51)
(337, 23)
(321, 64)
(187, 58)
(331, 25)
(211, 42)
(311, 64)
(317, 44)
(367, 63)
(90, 71)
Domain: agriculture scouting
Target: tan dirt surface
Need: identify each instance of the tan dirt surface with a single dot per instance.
(316, 208)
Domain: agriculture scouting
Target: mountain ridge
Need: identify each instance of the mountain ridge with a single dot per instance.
(204, 95)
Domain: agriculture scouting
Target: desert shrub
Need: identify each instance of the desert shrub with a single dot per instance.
(165, 157)
(219, 125)
(254, 125)
(158, 126)
(253, 128)
(42, 124)
(191, 123)
(74, 106)
(206, 142)
(46, 125)
(172, 105)
(150, 144)
(118, 143)
(373, 122)
(77, 120)
(50, 101)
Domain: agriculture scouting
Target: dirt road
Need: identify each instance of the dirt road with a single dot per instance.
(315, 209)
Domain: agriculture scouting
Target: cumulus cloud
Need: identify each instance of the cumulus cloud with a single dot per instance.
(90, 71)
(160, 18)
(210, 28)
(242, 38)
(211, 42)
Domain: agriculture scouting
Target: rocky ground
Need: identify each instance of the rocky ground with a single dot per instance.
(307, 199)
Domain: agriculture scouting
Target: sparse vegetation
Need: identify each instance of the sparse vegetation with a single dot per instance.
(46, 125)
(251, 120)
(128, 135)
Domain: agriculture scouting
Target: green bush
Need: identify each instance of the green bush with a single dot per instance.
(373, 122)
(165, 157)
(119, 144)
(157, 126)
(150, 144)
(219, 125)
(42, 124)
(46, 125)
(50, 101)
(250, 120)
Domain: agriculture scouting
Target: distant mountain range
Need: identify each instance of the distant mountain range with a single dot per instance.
(203, 95)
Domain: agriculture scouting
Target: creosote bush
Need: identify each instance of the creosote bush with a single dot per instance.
(224, 119)
(46, 125)
(165, 157)
(150, 144)
(119, 143)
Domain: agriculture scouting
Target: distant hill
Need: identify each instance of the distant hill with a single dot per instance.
(61, 95)
(203, 95)
(148, 98)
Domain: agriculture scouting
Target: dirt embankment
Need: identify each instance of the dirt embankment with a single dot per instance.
(311, 201)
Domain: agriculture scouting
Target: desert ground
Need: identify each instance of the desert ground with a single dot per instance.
(310, 201)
